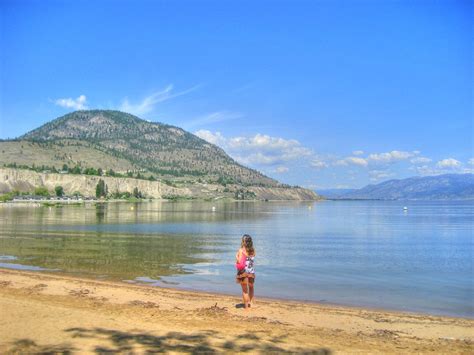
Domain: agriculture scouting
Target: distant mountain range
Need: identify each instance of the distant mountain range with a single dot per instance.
(440, 187)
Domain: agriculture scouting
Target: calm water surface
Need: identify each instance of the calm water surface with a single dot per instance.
(365, 253)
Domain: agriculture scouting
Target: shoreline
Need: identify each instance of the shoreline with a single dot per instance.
(192, 199)
(236, 294)
(42, 311)
(282, 299)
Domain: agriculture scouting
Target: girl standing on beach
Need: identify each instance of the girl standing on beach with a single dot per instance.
(245, 271)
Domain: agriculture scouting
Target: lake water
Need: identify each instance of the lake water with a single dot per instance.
(363, 253)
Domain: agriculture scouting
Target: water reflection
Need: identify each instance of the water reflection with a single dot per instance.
(115, 240)
(140, 212)
(100, 209)
(352, 252)
(116, 256)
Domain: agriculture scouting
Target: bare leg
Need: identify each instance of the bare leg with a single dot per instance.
(251, 293)
(245, 294)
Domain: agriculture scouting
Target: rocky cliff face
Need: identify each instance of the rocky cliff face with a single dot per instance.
(280, 193)
(26, 181)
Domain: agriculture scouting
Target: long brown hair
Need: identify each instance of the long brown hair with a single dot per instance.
(247, 243)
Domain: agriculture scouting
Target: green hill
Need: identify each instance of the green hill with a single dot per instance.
(124, 143)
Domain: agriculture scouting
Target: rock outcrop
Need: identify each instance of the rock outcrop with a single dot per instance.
(27, 180)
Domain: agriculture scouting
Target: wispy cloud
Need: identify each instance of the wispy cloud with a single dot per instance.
(377, 175)
(147, 104)
(393, 156)
(76, 104)
(213, 117)
(421, 160)
(318, 163)
(352, 161)
(244, 88)
(281, 169)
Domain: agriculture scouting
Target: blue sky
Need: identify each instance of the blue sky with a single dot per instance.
(315, 93)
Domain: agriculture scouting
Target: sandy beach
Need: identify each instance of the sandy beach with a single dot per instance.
(63, 314)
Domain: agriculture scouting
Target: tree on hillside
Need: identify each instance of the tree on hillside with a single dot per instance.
(76, 170)
(101, 189)
(90, 171)
(137, 193)
(59, 191)
(41, 191)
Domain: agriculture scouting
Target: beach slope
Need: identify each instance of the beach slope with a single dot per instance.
(60, 314)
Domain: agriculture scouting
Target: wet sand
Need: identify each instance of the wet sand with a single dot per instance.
(43, 312)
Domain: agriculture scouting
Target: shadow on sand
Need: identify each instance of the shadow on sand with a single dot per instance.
(111, 341)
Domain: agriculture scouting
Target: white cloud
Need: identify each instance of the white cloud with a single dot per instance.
(260, 149)
(393, 156)
(377, 175)
(148, 103)
(318, 163)
(281, 169)
(449, 163)
(352, 161)
(420, 160)
(77, 104)
(376, 158)
(267, 151)
(424, 170)
(267, 143)
(471, 161)
(444, 166)
(213, 138)
(258, 158)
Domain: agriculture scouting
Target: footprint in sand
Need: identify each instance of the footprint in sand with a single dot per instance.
(144, 304)
(36, 288)
(83, 292)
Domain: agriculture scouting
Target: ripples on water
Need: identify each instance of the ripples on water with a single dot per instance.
(367, 253)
